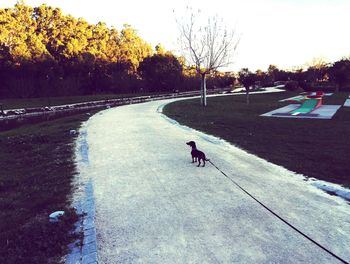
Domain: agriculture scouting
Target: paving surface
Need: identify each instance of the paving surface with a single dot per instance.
(322, 112)
(154, 206)
(347, 103)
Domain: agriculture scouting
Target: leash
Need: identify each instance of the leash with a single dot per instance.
(279, 217)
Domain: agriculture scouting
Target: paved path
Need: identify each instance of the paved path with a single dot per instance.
(154, 206)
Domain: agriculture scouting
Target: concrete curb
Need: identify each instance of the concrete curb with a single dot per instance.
(84, 251)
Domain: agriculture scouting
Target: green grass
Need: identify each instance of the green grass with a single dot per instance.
(315, 148)
(16, 103)
(37, 167)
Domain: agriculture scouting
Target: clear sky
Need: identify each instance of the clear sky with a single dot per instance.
(287, 33)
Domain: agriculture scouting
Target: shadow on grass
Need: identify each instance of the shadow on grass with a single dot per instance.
(37, 168)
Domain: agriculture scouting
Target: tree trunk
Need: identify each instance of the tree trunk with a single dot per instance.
(203, 90)
(247, 94)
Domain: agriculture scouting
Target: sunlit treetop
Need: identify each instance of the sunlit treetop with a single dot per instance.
(44, 33)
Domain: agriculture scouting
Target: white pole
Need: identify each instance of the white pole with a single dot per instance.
(204, 91)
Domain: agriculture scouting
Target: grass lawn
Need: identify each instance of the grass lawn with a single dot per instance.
(315, 148)
(37, 167)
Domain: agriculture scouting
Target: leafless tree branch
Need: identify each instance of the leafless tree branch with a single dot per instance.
(207, 47)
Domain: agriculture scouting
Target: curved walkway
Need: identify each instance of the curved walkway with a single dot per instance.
(154, 206)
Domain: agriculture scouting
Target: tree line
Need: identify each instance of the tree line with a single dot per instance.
(46, 53)
(318, 75)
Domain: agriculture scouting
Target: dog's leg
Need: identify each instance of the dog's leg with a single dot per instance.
(199, 162)
(203, 162)
(193, 159)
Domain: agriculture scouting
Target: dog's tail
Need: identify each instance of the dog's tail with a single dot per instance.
(207, 159)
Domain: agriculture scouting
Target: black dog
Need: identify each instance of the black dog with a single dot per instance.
(197, 155)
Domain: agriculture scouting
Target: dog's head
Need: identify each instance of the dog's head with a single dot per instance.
(192, 144)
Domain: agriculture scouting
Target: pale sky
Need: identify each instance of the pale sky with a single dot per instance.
(287, 33)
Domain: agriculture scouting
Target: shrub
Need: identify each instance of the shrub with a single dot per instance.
(291, 86)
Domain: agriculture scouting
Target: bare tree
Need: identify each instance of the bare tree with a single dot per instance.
(208, 46)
